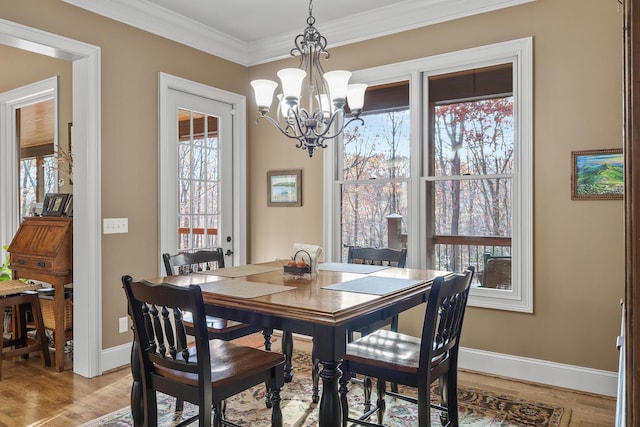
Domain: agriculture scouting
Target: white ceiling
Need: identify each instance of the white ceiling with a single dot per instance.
(250, 32)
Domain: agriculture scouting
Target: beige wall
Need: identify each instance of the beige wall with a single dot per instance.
(579, 267)
(578, 245)
(130, 60)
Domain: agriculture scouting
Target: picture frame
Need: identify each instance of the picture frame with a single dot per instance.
(54, 204)
(597, 174)
(284, 188)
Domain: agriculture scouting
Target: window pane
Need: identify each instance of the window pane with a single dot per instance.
(478, 207)
(380, 148)
(197, 180)
(366, 209)
(473, 138)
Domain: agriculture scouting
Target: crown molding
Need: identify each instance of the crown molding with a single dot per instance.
(391, 19)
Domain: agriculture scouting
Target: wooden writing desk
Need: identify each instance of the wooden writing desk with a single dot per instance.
(309, 309)
(42, 249)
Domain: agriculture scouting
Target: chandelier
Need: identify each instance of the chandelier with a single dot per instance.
(326, 94)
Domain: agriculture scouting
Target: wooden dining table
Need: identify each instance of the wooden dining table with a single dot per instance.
(339, 298)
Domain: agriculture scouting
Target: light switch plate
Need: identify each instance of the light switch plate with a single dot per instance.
(115, 225)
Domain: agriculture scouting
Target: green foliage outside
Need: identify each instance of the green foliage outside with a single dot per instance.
(5, 271)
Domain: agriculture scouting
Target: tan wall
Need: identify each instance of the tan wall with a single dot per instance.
(578, 245)
(130, 61)
(24, 68)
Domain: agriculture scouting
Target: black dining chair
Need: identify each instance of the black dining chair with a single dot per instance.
(415, 362)
(205, 372)
(202, 261)
(223, 329)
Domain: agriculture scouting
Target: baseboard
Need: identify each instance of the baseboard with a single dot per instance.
(521, 368)
(115, 357)
(540, 371)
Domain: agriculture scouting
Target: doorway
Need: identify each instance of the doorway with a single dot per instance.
(85, 61)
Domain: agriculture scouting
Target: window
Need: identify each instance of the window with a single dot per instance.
(197, 181)
(469, 184)
(375, 171)
(445, 158)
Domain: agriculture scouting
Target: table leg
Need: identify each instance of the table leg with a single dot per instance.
(58, 303)
(330, 411)
(137, 406)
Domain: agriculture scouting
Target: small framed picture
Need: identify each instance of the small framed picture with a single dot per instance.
(284, 188)
(54, 204)
(597, 174)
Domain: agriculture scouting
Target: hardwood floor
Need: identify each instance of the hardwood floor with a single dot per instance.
(33, 395)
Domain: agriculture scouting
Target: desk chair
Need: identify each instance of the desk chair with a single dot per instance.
(415, 362)
(204, 373)
(19, 296)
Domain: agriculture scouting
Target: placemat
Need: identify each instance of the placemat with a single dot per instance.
(241, 270)
(374, 285)
(242, 288)
(351, 268)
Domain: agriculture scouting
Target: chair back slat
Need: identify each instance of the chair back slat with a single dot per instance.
(378, 256)
(444, 316)
(189, 262)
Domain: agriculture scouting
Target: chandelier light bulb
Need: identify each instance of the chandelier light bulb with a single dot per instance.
(355, 96)
(338, 82)
(291, 79)
(264, 93)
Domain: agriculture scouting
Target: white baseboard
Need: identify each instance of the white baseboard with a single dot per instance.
(115, 357)
(521, 368)
(540, 371)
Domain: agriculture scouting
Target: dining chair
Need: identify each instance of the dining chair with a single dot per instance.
(204, 260)
(378, 256)
(204, 372)
(415, 362)
(372, 256)
(217, 328)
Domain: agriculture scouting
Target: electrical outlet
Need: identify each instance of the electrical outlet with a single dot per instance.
(115, 225)
(123, 324)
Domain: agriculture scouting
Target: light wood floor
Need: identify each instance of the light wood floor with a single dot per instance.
(32, 395)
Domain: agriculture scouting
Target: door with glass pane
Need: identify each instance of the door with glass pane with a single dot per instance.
(202, 188)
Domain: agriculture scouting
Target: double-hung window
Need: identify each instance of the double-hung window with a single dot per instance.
(443, 167)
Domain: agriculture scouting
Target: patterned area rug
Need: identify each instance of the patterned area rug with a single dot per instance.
(476, 407)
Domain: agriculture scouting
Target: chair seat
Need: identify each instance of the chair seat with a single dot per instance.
(388, 350)
(226, 357)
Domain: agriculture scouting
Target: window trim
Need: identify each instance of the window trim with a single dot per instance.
(520, 53)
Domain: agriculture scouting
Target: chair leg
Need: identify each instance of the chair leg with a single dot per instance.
(179, 408)
(276, 411)
(367, 386)
(343, 390)
(287, 350)
(266, 333)
(382, 405)
(217, 416)
(315, 377)
(424, 406)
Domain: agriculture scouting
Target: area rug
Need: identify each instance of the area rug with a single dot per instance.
(476, 407)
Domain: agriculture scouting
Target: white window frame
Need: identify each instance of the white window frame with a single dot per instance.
(519, 53)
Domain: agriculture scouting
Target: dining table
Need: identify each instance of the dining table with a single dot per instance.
(324, 305)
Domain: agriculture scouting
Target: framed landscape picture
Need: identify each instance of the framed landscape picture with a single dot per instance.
(284, 188)
(597, 174)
